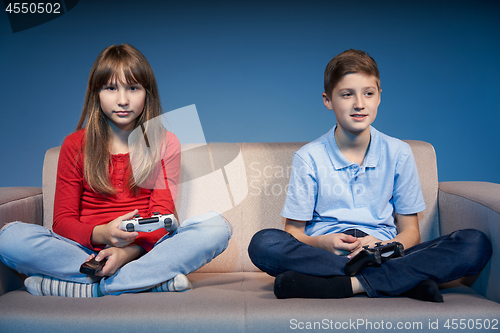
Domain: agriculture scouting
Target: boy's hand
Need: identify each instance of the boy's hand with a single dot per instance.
(338, 243)
(110, 235)
(363, 241)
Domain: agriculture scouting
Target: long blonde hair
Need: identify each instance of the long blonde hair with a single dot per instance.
(110, 65)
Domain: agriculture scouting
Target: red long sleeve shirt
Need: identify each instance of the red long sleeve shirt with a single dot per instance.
(78, 209)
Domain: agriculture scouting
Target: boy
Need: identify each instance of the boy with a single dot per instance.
(353, 187)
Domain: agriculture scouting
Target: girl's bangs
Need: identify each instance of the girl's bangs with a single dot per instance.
(114, 70)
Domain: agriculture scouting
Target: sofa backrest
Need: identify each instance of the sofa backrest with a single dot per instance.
(247, 183)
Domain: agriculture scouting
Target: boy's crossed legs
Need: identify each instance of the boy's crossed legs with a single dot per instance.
(306, 271)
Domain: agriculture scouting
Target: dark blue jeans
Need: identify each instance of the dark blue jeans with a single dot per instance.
(462, 253)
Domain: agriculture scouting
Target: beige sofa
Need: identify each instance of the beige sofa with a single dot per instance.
(230, 293)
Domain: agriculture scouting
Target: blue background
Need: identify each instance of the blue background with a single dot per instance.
(255, 72)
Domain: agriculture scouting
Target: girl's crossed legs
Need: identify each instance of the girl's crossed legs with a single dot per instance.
(35, 250)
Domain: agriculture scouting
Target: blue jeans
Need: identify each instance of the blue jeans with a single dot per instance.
(35, 250)
(462, 253)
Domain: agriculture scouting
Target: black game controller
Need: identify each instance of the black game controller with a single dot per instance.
(373, 257)
(92, 267)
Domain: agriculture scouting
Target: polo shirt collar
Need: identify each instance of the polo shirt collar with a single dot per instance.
(340, 162)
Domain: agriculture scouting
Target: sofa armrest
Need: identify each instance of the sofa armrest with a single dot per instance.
(18, 204)
(474, 205)
(21, 204)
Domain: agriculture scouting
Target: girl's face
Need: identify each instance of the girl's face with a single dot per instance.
(122, 103)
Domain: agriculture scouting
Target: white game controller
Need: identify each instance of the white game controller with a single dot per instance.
(148, 224)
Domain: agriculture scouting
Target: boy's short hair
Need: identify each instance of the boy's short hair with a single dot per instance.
(348, 62)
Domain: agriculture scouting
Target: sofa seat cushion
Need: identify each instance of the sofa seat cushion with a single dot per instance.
(233, 302)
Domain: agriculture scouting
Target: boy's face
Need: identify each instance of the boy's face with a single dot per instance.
(354, 100)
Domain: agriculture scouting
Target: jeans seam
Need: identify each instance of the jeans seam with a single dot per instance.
(369, 291)
(268, 268)
(7, 226)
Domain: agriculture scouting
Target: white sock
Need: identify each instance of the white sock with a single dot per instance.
(178, 283)
(46, 286)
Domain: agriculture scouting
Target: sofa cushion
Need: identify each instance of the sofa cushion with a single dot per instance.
(234, 302)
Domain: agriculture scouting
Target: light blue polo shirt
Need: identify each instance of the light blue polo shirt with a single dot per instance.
(333, 194)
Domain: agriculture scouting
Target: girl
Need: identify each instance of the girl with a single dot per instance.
(97, 189)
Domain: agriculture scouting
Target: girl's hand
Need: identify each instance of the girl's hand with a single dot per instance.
(110, 235)
(117, 258)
